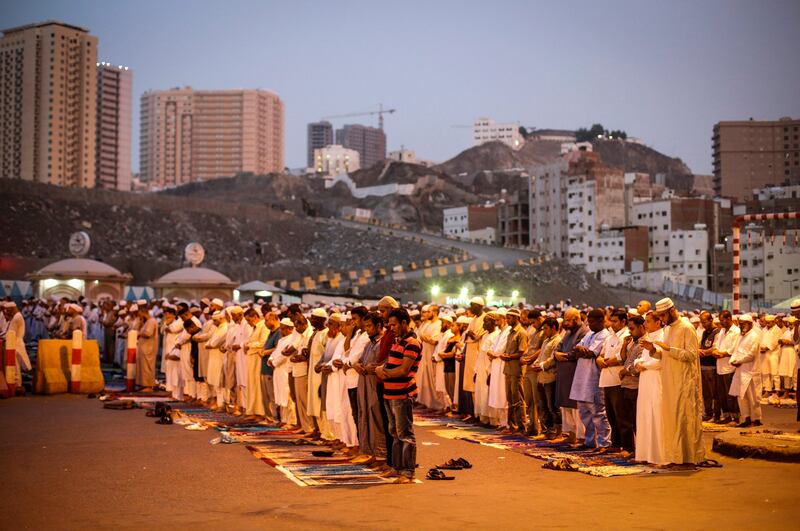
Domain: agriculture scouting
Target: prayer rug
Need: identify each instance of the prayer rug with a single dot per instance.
(286, 451)
(558, 456)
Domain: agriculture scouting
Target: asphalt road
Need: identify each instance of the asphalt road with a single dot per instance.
(69, 464)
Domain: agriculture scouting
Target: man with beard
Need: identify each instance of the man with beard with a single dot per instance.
(566, 361)
(682, 399)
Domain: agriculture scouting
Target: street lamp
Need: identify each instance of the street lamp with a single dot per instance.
(435, 289)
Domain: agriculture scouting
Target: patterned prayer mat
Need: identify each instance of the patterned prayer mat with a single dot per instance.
(284, 450)
(558, 456)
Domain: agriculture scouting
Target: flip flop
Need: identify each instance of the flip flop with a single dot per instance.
(322, 453)
(166, 419)
(434, 474)
(709, 463)
(451, 465)
(463, 462)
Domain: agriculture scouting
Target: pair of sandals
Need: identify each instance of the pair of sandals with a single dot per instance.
(455, 464)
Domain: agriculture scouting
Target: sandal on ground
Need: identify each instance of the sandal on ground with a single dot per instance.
(463, 462)
(709, 463)
(451, 465)
(322, 453)
(166, 419)
(435, 474)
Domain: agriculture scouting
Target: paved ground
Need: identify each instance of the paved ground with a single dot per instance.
(69, 464)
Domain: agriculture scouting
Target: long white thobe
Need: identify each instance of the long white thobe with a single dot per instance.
(254, 403)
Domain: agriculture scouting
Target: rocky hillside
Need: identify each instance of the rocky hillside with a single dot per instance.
(145, 234)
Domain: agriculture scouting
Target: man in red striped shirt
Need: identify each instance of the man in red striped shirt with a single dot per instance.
(399, 390)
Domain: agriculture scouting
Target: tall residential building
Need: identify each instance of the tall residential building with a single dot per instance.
(751, 154)
(487, 130)
(114, 93)
(320, 135)
(192, 135)
(370, 142)
(48, 90)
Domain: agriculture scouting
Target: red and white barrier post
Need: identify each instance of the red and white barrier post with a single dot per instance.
(11, 363)
(77, 352)
(131, 376)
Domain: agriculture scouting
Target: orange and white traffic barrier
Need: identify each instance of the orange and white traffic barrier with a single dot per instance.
(131, 375)
(11, 364)
(77, 352)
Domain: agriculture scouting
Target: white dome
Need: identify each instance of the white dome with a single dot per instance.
(78, 268)
(194, 276)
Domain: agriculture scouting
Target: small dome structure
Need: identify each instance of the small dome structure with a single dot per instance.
(194, 283)
(76, 277)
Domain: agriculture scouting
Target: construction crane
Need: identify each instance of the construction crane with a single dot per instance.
(380, 112)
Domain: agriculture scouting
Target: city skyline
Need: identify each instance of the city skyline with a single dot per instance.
(665, 74)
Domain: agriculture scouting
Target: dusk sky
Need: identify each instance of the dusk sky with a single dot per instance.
(663, 71)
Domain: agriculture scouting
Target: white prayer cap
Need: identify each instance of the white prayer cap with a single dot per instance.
(141, 302)
(319, 312)
(633, 311)
(9, 304)
(217, 315)
(413, 313)
(478, 300)
(664, 304)
(339, 318)
(217, 302)
(197, 322)
(745, 318)
(123, 303)
(389, 301)
(446, 317)
(236, 309)
(426, 308)
(287, 322)
(204, 300)
(790, 319)
(769, 317)
(134, 308)
(463, 320)
(694, 320)
(123, 312)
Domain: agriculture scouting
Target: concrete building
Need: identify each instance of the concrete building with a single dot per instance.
(570, 200)
(608, 257)
(781, 266)
(403, 155)
(688, 256)
(754, 154)
(487, 130)
(48, 108)
(370, 142)
(192, 135)
(335, 159)
(513, 220)
(114, 100)
(553, 135)
(319, 135)
(477, 223)
(663, 216)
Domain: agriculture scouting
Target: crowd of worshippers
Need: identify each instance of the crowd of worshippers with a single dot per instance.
(638, 381)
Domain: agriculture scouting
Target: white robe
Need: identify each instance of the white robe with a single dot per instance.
(497, 381)
(426, 375)
(649, 421)
(748, 353)
(787, 365)
(439, 383)
(216, 359)
(482, 371)
(282, 367)
(337, 401)
(254, 403)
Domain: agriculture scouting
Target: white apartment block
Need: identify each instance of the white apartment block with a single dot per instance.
(335, 159)
(487, 130)
(782, 266)
(403, 155)
(471, 223)
(656, 216)
(548, 208)
(609, 257)
(791, 191)
(688, 256)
